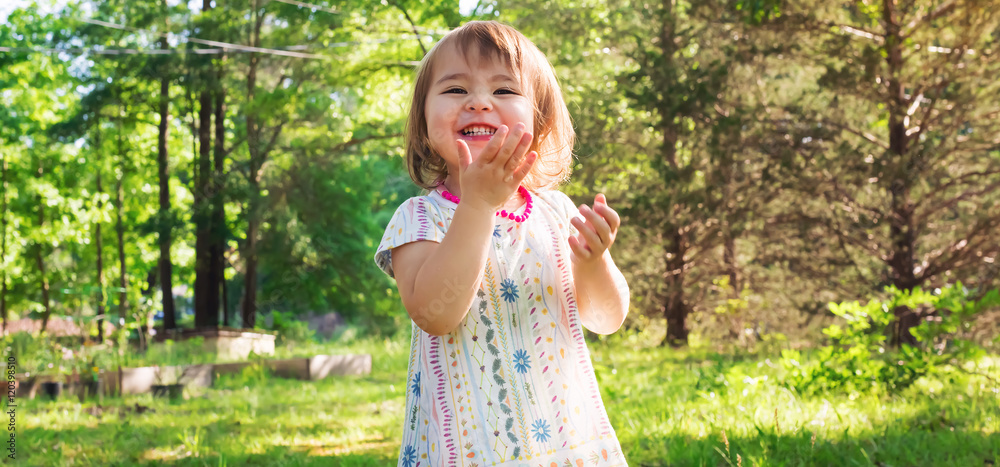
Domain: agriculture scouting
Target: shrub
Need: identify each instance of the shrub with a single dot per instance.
(290, 329)
(34, 354)
(858, 359)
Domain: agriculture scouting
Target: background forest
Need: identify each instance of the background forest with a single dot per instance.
(245, 155)
(809, 191)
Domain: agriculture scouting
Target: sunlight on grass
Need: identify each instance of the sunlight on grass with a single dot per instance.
(668, 407)
(667, 416)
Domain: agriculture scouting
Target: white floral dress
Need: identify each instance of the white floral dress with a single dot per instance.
(513, 385)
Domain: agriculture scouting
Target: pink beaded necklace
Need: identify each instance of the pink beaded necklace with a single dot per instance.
(503, 212)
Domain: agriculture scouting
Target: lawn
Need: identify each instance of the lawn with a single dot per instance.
(669, 407)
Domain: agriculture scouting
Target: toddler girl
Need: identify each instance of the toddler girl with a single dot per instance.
(497, 273)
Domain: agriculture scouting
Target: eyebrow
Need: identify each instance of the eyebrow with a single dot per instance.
(496, 77)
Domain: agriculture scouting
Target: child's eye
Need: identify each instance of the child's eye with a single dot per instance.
(506, 91)
(455, 91)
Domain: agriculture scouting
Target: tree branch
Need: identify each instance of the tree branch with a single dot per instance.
(863, 134)
(413, 24)
(961, 250)
(969, 193)
(356, 141)
(917, 23)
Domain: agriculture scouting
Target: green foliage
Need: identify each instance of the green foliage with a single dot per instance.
(34, 354)
(858, 359)
(759, 11)
(649, 392)
(291, 330)
(256, 374)
(755, 126)
(172, 353)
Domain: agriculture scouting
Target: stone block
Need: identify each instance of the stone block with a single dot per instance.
(322, 366)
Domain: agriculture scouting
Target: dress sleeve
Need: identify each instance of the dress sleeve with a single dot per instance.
(418, 218)
(567, 210)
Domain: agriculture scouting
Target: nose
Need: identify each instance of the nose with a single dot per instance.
(478, 102)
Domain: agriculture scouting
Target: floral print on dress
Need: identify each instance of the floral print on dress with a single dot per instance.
(508, 290)
(416, 385)
(513, 383)
(521, 361)
(540, 430)
(409, 457)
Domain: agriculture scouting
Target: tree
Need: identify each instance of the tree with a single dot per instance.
(684, 60)
(899, 148)
(165, 219)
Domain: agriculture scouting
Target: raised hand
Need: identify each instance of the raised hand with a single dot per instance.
(489, 181)
(598, 230)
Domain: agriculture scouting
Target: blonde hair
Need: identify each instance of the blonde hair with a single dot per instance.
(553, 130)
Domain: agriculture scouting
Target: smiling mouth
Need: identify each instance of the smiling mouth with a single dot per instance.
(478, 130)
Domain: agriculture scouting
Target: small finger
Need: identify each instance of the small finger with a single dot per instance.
(520, 152)
(600, 225)
(610, 215)
(580, 251)
(510, 145)
(464, 155)
(492, 147)
(525, 168)
(588, 233)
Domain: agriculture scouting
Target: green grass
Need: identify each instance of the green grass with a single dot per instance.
(668, 408)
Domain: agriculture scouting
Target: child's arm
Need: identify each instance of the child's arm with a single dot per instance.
(601, 290)
(438, 282)
(602, 295)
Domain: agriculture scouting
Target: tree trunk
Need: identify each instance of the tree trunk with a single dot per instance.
(250, 291)
(901, 228)
(206, 285)
(40, 261)
(216, 251)
(204, 313)
(729, 260)
(249, 310)
(225, 299)
(120, 231)
(729, 257)
(98, 243)
(676, 309)
(166, 221)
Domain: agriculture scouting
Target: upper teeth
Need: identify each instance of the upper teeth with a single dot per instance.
(478, 131)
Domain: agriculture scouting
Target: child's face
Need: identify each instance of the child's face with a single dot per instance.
(466, 98)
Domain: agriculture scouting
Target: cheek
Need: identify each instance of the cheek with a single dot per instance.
(439, 121)
(439, 134)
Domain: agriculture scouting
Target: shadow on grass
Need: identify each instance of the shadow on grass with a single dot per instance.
(927, 439)
(921, 441)
(128, 445)
(281, 456)
(133, 439)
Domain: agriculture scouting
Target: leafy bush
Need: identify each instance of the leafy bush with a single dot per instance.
(858, 359)
(34, 354)
(290, 329)
(731, 316)
(171, 353)
(256, 374)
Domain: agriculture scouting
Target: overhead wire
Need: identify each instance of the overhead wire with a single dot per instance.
(229, 45)
(314, 6)
(219, 46)
(310, 5)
